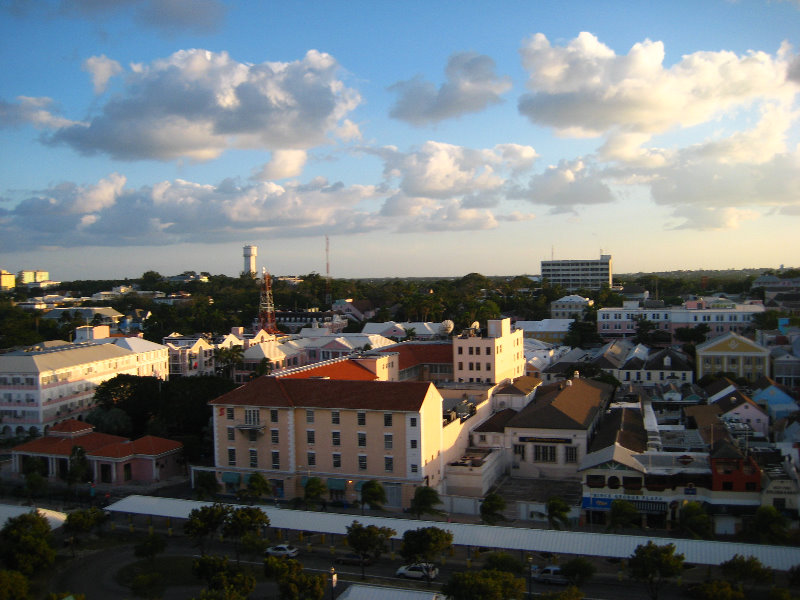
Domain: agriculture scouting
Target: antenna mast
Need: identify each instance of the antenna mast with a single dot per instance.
(328, 296)
(266, 307)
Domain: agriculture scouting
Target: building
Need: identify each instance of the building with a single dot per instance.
(551, 331)
(7, 281)
(90, 315)
(25, 277)
(493, 358)
(570, 307)
(111, 459)
(345, 432)
(575, 275)
(250, 253)
(422, 361)
(355, 310)
(732, 353)
(51, 382)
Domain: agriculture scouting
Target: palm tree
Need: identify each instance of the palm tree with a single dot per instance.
(372, 493)
(557, 512)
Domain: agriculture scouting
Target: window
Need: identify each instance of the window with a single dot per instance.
(488, 366)
(273, 415)
(335, 417)
(253, 435)
(231, 457)
(275, 437)
(362, 439)
(414, 468)
(388, 463)
(519, 450)
(337, 460)
(276, 459)
(727, 486)
(460, 365)
(482, 437)
(311, 459)
(387, 419)
(336, 438)
(251, 416)
(413, 444)
(471, 350)
(544, 454)
(488, 350)
(412, 422)
(387, 441)
(362, 418)
(461, 349)
(231, 434)
(571, 454)
(310, 436)
(253, 458)
(362, 462)
(309, 416)
(229, 414)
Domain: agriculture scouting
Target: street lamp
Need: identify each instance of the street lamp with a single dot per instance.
(530, 574)
(333, 581)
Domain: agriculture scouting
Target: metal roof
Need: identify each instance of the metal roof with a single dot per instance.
(359, 591)
(700, 552)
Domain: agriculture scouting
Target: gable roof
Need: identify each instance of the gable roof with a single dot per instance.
(521, 386)
(625, 427)
(731, 343)
(733, 401)
(329, 393)
(71, 426)
(62, 446)
(571, 406)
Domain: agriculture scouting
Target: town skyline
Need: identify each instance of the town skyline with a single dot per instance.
(425, 143)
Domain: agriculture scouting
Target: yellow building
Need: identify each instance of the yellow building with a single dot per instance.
(7, 281)
(732, 353)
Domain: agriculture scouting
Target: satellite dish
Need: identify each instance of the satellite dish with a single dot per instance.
(475, 325)
(446, 327)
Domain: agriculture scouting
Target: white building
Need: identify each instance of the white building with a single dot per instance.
(570, 307)
(493, 358)
(589, 274)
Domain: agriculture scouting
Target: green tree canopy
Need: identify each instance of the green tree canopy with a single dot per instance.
(578, 571)
(373, 493)
(25, 544)
(424, 501)
(503, 561)
(655, 565)
(484, 585)
(368, 541)
(150, 546)
(425, 543)
(293, 582)
(557, 512)
(241, 521)
(622, 515)
(314, 490)
(492, 508)
(13, 586)
(204, 522)
(746, 571)
(696, 522)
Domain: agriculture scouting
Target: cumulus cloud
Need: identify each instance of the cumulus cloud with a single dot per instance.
(282, 164)
(472, 85)
(196, 104)
(566, 186)
(101, 68)
(38, 112)
(585, 89)
(711, 218)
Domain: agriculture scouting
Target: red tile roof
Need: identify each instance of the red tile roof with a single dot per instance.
(346, 369)
(71, 426)
(328, 393)
(148, 445)
(413, 354)
(62, 446)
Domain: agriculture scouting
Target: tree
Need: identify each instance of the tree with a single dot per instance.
(148, 585)
(151, 546)
(81, 522)
(425, 544)
(369, 541)
(578, 571)
(204, 522)
(502, 561)
(314, 490)
(716, 590)
(293, 583)
(746, 571)
(696, 522)
(768, 526)
(484, 585)
(257, 487)
(372, 493)
(571, 593)
(224, 581)
(78, 470)
(241, 521)
(557, 512)
(655, 565)
(25, 544)
(205, 485)
(582, 334)
(13, 586)
(424, 500)
(492, 508)
(623, 514)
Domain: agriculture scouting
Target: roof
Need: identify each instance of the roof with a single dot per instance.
(709, 425)
(328, 393)
(545, 325)
(718, 385)
(38, 359)
(734, 400)
(148, 445)
(62, 446)
(360, 591)
(71, 426)
(497, 422)
(412, 354)
(520, 386)
(343, 369)
(11, 511)
(574, 406)
(573, 543)
(623, 426)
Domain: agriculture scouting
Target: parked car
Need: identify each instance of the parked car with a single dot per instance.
(418, 571)
(550, 574)
(283, 550)
(351, 558)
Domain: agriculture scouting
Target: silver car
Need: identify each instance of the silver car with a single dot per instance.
(418, 571)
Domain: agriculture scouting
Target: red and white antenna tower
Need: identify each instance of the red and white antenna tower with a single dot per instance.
(266, 307)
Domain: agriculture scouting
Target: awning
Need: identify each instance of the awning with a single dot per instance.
(228, 477)
(246, 478)
(337, 484)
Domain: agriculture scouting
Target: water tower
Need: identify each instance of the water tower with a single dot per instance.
(250, 254)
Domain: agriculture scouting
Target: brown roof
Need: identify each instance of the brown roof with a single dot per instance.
(716, 386)
(71, 426)
(62, 446)
(497, 422)
(734, 400)
(624, 426)
(346, 369)
(148, 445)
(572, 406)
(521, 385)
(706, 417)
(328, 393)
(413, 354)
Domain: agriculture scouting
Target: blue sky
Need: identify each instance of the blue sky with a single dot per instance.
(424, 138)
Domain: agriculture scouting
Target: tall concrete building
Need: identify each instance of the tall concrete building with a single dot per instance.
(588, 274)
(250, 254)
(7, 281)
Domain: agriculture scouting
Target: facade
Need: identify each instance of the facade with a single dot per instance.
(733, 353)
(7, 281)
(550, 331)
(572, 275)
(189, 355)
(345, 432)
(25, 277)
(54, 381)
(493, 358)
(570, 307)
(423, 361)
(354, 310)
(112, 459)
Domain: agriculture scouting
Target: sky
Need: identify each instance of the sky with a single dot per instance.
(423, 138)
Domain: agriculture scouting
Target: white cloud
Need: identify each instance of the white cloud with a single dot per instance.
(101, 68)
(282, 164)
(472, 85)
(712, 218)
(565, 186)
(35, 111)
(196, 104)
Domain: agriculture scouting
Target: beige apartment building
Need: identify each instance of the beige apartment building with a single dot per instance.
(344, 432)
(496, 357)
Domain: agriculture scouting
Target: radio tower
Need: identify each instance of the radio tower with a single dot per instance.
(328, 296)
(266, 307)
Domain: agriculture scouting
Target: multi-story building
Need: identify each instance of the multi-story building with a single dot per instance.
(54, 381)
(733, 353)
(720, 318)
(7, 281)
(345, 432)
(24, 277)
(498, 356)
(551, 331)
(570, 307)
(189, 355)
(589, 274)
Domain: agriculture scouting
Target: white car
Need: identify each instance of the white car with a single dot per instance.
(418, 571)
(283, 550)
(550, 574)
